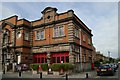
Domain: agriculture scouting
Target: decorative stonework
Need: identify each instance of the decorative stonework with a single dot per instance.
(51, 49)
(70, 33)
(13, 33)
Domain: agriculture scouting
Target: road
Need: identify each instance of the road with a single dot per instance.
(116, 75)
(91, 74)
(0, 75)
(107, 76)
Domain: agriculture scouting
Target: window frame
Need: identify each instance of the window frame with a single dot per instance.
(61, 31)
(58, 31)
(76, 33)
(26, 35)
(84, 38)
(40, 34)
(89, 41)
(18, 35)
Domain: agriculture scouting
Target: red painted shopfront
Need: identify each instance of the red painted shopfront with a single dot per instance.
(56, 57)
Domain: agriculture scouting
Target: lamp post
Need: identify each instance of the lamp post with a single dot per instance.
(109, 55)
(48, 60)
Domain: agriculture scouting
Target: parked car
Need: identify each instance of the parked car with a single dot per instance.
(114, 66)
(22, 67)
(105, 69)
(117, 65)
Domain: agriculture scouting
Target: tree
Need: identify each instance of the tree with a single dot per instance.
(101, 60)
(118, 59)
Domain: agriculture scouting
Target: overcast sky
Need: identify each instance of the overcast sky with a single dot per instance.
(100, 17)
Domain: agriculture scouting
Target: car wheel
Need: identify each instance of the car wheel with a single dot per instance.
(112, 74)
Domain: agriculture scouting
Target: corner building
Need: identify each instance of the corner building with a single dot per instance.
(54, 38)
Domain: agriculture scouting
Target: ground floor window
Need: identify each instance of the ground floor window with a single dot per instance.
(56, 57)
(60, 57)
(40, 58)
(67, 58)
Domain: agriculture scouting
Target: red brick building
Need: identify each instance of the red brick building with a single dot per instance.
(0, 50)
(54, 38)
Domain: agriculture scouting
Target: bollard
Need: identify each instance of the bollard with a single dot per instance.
(40, 75)
(19, 73)
(3, 71)
(66, 77)
(86, 75)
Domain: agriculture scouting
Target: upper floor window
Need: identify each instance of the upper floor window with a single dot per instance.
(89, 42)
(59, 31)
(27, 35)
(56, 32)
(40, 35)
(84, 38)
(6, 36)
(76, 32)
(5, 39)
(18, 35)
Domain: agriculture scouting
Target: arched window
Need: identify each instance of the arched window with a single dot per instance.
(6, 36)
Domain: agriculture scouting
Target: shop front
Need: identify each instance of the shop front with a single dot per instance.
(55, 57)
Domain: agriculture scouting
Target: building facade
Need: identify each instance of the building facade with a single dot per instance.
(0, 50)
(101, 57)
(54, 38)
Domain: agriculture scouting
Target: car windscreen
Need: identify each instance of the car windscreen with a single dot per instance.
(105, 66)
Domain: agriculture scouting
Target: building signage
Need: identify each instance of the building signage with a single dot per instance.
(51, 49)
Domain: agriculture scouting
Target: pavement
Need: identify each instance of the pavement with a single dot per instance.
(29, 74)
(91, 74)
(0, 75)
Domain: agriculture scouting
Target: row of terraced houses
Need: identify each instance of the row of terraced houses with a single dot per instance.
(54, 38)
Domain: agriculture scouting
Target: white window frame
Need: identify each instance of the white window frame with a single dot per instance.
(42, 32)
(61, 31)
(58, 32)
(18, 35)
(39, 34)
(89, 41)
(76, 32)
(26, 36)
(84, 38)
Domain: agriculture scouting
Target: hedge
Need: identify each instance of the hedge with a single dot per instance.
(44, 66)
(56, 66)
(64, 66)
(34, 66)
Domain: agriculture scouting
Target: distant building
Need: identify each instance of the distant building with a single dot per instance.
(54, 38)
(102, 57)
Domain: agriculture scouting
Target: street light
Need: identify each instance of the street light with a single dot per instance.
(48, 60)
(109, 54)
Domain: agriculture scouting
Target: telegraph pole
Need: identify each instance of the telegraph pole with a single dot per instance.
(109, 55)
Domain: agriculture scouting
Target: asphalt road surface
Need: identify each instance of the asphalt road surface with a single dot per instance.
(116, 75)
(0, 75)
